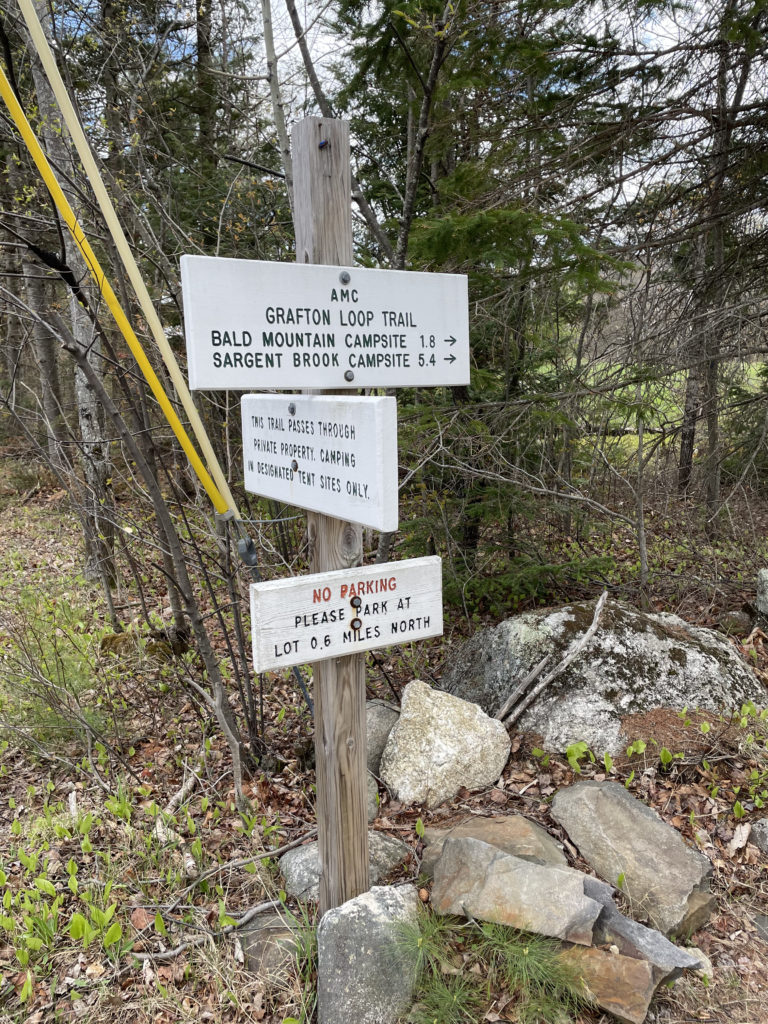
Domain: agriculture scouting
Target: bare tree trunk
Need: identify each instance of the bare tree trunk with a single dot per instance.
(688, 430)
(94, 450)
(45, 355)
(278, 111)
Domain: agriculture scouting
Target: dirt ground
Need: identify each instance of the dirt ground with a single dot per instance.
(159, 911)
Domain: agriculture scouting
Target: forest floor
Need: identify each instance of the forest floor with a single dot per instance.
(101, 920)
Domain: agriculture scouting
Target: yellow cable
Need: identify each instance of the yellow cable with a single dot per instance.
(105, 289)
(121, 244)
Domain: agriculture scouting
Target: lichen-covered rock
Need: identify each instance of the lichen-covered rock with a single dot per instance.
(511, 833)
(439, 744)
(476, 879)
(300, 868)
(665, 881)
(366, 974)
(380, 717)
(634, 663)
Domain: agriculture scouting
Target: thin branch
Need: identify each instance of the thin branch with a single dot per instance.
(573, 652)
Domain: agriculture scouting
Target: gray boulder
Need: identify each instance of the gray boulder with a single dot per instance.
(665, 881)
(379, 719)
(511, 833)
(300, 868)
(635, 662)
(366, 974)
(439, 744)
(475, 879)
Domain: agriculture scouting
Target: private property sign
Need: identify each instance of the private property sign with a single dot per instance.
(324, 453)
(253, 325)
(332, 614)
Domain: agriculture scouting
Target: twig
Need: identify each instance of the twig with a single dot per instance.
(165, 834)
(573, 651)
(518, 692)
(171, 954)
(232, 864)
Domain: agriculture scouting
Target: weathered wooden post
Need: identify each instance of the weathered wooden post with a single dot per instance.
(286, 326)
(323, 223)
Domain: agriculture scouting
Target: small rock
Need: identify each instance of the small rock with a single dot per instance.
(705, 968)
(477, 879)
(736, 622)
(379, 719)
(269, 946)
(440, 744)
(366, 974)
(620, 984)
(760, 922)
(511, 833)
(300, 868)
(759, 834)
(665, 881)
(761, 600)
(373, 798)
(632, 939)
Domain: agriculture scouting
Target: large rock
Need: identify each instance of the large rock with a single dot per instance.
(300, 868)
(665, 881)
(620, 984)
(475, 879)
(439, 744)
(366, 973)
(632, 939)
(379, 720)
(511, 833)
(635, 662)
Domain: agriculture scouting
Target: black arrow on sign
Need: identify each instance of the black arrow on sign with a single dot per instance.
(449, 359)
(451, 341)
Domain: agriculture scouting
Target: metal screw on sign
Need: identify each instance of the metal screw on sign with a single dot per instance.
(294, 465)
(356, 602)
(292, 409)
(345, 277)
(356, 624)
(349, 375)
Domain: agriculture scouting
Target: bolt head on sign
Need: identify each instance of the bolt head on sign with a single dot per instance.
(253, 325)
(305, 619)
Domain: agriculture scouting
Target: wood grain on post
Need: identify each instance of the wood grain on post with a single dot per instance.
(323, 222)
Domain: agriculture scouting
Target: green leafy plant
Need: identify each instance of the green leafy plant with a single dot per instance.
(576, 753)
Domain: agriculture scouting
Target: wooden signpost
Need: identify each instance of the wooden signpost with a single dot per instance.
(322, 188)
(320, 323)
(323, 453)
